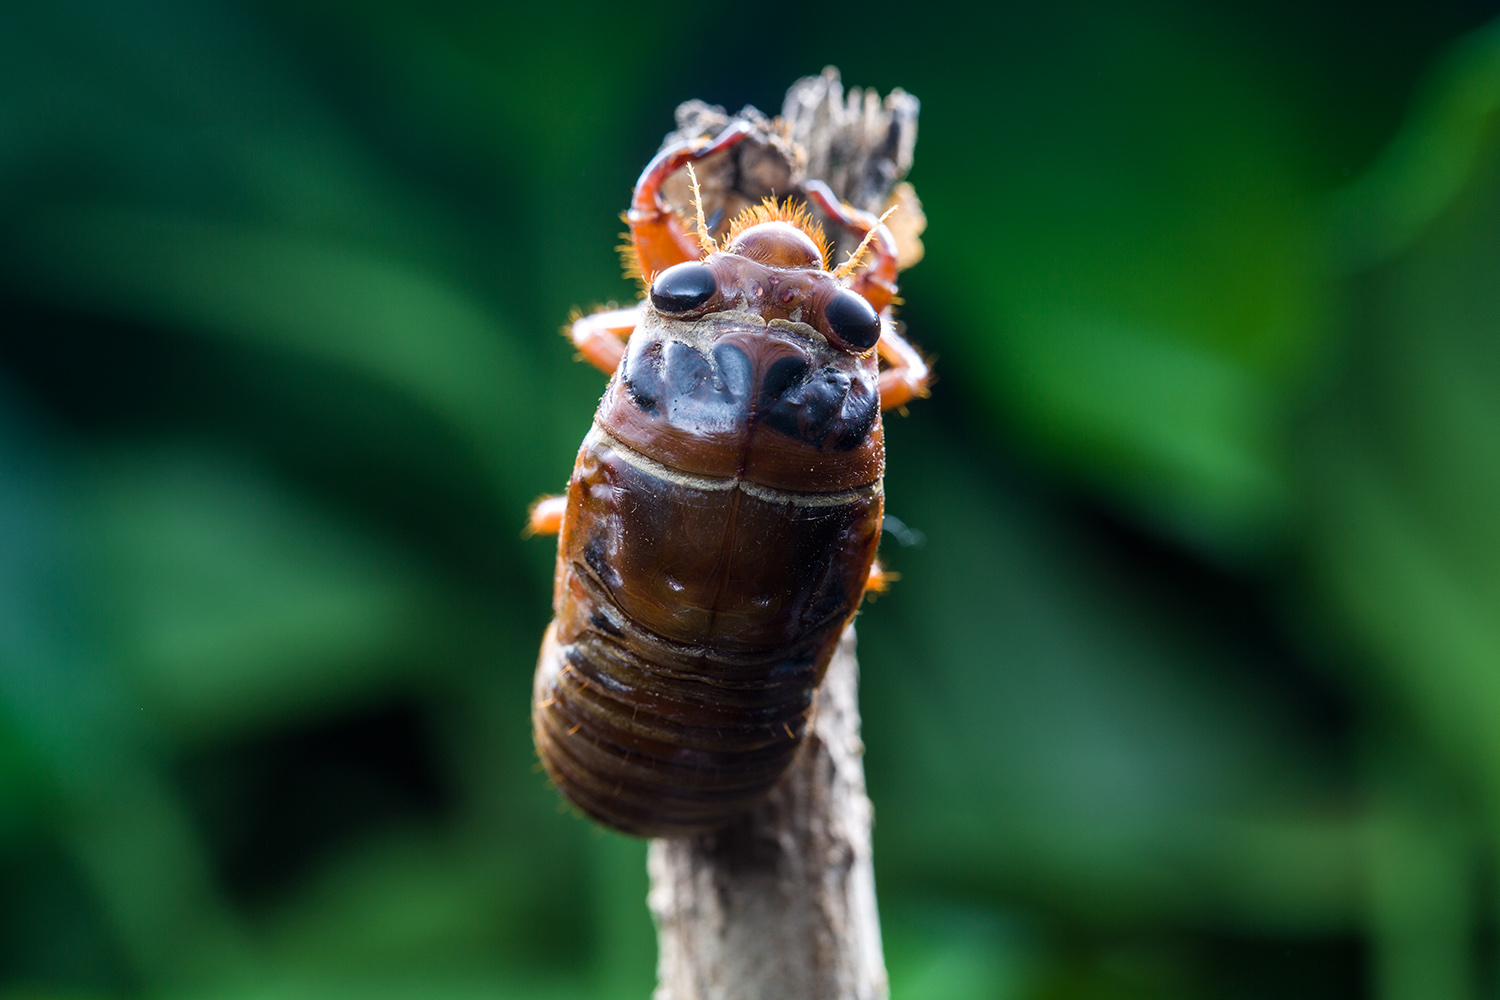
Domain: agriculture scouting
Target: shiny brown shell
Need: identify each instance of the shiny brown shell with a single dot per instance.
(721, 522)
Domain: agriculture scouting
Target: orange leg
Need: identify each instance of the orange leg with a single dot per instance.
(659, 237)
(908, 375)
(876, 281)
(546, 515)
(600, 337)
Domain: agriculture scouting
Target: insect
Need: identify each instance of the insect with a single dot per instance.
(720, 526)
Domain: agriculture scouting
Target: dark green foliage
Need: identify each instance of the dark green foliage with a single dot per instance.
(1192, 691)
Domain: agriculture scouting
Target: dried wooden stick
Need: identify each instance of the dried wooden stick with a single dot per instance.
(782, 903)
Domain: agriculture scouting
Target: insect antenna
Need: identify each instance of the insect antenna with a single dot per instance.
(705, 238)
(857, 258)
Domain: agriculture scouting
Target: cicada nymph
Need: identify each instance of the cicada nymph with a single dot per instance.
(720, 527)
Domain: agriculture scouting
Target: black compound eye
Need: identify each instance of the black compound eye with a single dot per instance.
(683, 287)
(853, 320)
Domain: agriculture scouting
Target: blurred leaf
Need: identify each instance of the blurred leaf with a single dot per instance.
(236, 602)
(1401, 461)
(1424, 893)
(1186, 433)
(420, 987)
(1049, 724)
(1121, 259)
(942, 952)
(1436, 155)
(105, 804)
(226, 197)
(331, 303)
(405, 909)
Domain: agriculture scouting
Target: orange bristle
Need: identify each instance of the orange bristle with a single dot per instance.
(629, 258)
(770, 210)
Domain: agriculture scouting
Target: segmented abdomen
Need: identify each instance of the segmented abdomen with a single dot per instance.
(721, 522)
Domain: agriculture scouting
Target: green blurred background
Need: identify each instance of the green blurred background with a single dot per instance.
(1192, 691)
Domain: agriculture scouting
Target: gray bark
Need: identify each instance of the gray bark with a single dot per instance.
(781, 903)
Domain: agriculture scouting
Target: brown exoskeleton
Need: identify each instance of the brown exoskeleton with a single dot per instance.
(720, 526)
